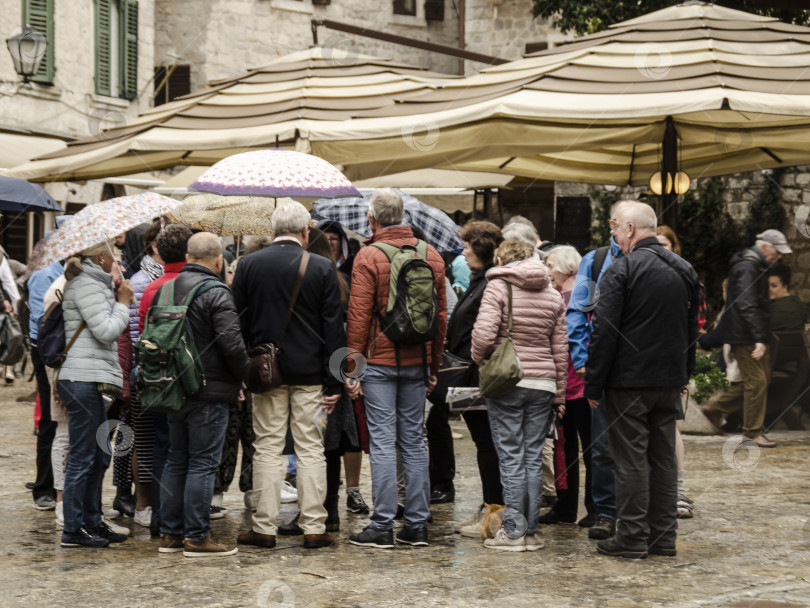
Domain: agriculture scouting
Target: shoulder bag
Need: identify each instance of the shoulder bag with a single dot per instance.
(501, 371)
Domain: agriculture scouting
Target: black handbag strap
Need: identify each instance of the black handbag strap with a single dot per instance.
(302, 269)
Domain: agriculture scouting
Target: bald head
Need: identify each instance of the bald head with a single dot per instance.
(205, 249)
(635, 221)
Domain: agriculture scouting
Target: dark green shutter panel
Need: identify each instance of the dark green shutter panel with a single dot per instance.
(128, 19)
(103, 47)
(38, 14)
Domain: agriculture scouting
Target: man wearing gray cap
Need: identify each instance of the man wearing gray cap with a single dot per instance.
(745, 326)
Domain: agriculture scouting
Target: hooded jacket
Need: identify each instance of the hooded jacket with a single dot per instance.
(538, 322)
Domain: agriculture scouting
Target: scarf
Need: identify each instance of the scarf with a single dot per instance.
(151, 268)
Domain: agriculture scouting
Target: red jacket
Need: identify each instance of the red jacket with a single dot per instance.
(170, 271)
(370, 277)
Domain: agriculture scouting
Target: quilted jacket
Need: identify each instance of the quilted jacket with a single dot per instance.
(370, 279)
(538, 322)
(94, 355)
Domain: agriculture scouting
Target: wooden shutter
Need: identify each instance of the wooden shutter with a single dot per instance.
(128, 55)
(404, 7)
(38, 14)
(104, 47)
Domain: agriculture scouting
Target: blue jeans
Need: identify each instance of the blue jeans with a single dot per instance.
(519, 421)
(603, 484)
(395, 411)
(160, 452)
(87, 459)
(196, 437)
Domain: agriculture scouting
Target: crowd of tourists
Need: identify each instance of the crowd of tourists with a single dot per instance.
(314, 351)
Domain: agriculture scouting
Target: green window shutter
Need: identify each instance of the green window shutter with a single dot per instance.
(103, 47)
(38, 14)
(128, 20)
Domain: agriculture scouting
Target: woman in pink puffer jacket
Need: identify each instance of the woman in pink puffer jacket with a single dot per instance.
(520, 418)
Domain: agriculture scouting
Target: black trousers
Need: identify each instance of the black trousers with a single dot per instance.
(43, 484)
(478, 424)
(576, 424)
(442, 459)
(642, 444)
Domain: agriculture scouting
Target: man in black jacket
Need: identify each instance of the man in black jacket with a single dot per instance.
(197, 432)
(641, 354)
(745, 325)
(263, 288)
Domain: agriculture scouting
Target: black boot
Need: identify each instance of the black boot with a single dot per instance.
(332, 515)
(124, 502)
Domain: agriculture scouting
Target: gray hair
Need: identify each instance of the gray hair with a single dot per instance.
(386, 207)
(204, 246)
(641, 215)
(565, 259)
(519, 219)
(290, 217)
(519, 231)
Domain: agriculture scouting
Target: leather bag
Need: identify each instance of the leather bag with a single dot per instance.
(501, 371)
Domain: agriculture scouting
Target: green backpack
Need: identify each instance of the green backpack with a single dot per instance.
(412, 313)
(169, 366)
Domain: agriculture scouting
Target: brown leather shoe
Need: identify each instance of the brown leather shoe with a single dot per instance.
(268, 541)
(762, 441)
(207, 547)
(170, 544)
(715, 418)
(317, 541)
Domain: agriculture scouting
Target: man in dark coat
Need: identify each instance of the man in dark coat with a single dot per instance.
(745, 325)
(641, 355)
(197, 431)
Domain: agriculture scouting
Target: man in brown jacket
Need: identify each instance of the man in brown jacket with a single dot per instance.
(395, 381)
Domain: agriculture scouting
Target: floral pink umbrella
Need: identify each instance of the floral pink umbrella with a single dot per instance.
(274, 173)
(96, 223)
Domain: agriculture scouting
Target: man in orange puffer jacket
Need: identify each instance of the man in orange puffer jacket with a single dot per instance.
(394, 389)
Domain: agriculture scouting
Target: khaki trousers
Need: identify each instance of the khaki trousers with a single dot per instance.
(273, 411)
(751, 394)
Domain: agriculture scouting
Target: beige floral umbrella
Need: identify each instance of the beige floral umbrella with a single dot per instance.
(228, 215)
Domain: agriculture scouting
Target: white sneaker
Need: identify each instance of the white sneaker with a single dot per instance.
(472, 530)
(475, 518)
(110, 513)
(143, 517)
(503, 543)
(115, 527)
(534, 543)
(218, 500)
(288, 492)
(250, 502)
(60, 514)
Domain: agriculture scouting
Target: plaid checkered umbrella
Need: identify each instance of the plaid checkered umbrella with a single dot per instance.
(440, 231)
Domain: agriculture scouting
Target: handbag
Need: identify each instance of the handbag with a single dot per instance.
(501, 371)
(264, 372)
(454, 371)
(12, 341)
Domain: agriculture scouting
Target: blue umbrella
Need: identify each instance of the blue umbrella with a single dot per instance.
(23, 196)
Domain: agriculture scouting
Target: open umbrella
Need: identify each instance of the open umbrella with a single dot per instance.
(275, 173)
(98, 222)
(440, 231)
(227, 215)
(20, 195)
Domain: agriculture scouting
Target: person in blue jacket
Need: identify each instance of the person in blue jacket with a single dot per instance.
(579, 321)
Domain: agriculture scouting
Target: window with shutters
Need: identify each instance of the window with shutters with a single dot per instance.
(38, 14)
(176, 84)
(405, 7)
(128, 43)
(104, 47)
(116, 42)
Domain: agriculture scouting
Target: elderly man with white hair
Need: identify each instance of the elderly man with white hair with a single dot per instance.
(290, 299)
(745, 325)
(641, 355)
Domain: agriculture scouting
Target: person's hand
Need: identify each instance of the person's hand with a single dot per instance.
(329, 402)
(7, 307)
(560, 411)
(759, 351)
(125, 292)
(594, 403)
(581, 372)
(353, 388)
(432, 380)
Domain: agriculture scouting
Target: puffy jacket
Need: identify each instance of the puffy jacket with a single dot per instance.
(170, 272)
(582, 302)
(139, 281)
(217, 335)
(538, 322)
(746, 319)
(645, 323)
(94, 356)
(369, 293)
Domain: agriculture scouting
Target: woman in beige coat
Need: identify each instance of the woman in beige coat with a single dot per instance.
(520, 418)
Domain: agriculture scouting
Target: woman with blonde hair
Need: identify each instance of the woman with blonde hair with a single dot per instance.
(520, 418)
(93, 323)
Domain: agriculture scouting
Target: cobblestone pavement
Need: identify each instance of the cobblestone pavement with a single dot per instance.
(749, 542)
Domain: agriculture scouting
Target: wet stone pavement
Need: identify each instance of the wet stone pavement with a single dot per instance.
(748, 545)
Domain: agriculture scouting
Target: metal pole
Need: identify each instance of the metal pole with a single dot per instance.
(669, 168)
